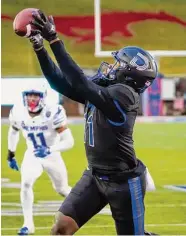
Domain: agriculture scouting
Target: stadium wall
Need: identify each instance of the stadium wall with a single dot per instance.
(153, 102)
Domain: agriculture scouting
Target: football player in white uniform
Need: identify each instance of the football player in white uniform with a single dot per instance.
(45, 129)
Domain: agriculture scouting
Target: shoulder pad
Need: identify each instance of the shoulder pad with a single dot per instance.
(59, 117)
(125, 95)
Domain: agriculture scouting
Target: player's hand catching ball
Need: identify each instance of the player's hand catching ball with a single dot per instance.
(45, 25)
(37, 42)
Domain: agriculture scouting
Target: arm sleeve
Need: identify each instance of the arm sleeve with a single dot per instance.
(66, 142)
(13, 139)
(87, 89)
(55, 77)
(13, 120)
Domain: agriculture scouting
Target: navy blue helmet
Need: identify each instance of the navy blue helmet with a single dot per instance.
(133, 66)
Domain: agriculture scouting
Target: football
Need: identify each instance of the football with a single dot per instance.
(21, 24)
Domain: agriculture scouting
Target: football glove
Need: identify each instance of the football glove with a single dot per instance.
(45, 25)
(12, 161)
(42, 151)
(37, 42)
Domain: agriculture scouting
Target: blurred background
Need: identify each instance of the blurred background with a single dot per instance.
(160, 134)
(153, 25)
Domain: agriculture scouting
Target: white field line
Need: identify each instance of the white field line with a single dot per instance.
(174, 188)
(10, 194)
(106, 226)
(177, 170)
(50, 211)
(18, 193)
(46, 205)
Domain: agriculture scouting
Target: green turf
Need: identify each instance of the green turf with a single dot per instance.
(148, 34)
(162, 148)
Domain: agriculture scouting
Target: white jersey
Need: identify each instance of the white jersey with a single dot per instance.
(41, 129)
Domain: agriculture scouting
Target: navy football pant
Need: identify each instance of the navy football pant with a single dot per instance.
(92, 193)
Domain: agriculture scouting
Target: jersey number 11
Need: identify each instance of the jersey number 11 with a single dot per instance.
(34, 138)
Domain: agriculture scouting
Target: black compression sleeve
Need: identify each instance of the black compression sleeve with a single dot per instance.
(55, 76)
(88, 90)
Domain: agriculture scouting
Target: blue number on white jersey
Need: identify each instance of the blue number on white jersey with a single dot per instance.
(39, 136)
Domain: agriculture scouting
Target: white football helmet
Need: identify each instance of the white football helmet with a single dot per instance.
(37, 89)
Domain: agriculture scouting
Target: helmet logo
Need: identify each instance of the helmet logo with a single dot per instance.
(137, 62)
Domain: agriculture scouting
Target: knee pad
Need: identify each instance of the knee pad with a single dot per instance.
(26, 185)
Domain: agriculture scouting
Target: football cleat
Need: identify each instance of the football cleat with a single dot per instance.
(25, 231)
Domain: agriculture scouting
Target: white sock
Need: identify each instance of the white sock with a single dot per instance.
(27, 199)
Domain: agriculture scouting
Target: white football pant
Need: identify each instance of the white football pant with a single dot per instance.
(31, 169)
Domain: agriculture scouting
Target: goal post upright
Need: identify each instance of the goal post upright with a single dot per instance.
(157, 54)
(97, 27)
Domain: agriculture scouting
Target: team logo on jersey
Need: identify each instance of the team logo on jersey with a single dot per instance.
(181, 188)
(48, 114)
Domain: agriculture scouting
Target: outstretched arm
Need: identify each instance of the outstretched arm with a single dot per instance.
(87, 90)
(95, 94)
(51, 72)
(55, 76)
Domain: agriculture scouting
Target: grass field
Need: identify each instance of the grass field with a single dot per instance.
(150, 34)
(163, 149)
